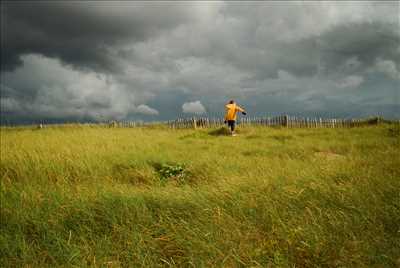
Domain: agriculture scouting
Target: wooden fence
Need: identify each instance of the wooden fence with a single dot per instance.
(208, 122)
(278, 121)
(127, 124)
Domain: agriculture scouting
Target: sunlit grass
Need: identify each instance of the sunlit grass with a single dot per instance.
(89, 196)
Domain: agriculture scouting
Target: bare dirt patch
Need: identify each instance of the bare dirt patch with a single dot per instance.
(328, 155)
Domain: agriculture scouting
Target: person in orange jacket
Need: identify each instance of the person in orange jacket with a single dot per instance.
(230, 116)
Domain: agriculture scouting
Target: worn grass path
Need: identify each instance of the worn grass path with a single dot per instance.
(95, 197)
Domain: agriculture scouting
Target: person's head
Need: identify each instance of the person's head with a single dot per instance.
(231, 101)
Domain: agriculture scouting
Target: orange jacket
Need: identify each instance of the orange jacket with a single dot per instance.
(231, 110)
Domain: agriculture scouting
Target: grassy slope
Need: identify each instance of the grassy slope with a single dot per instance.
(268, 197)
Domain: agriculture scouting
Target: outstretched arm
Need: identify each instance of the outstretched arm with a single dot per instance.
(240, 109)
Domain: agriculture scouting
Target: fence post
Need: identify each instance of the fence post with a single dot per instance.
(285, 121)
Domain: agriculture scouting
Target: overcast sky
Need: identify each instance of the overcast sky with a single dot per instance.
(101, 60)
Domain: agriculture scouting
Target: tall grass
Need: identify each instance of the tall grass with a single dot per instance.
(87, 196)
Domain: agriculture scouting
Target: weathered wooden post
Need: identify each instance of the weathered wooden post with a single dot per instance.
(285, 121)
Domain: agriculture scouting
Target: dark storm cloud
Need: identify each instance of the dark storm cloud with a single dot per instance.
(366, 41)
(83, 34)
(328, 52)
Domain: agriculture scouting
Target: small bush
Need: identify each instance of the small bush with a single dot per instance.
(171, 171)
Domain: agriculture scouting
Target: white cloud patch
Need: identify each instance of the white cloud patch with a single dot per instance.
(194, 107)
(9, 105)
(352, 81)
(285, 76)
(144, 109)
(388, 68)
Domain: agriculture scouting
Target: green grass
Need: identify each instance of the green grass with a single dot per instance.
(149, 197)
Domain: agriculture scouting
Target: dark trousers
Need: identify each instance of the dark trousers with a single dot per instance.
(231, 124)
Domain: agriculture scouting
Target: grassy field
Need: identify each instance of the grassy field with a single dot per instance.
(149, 197)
